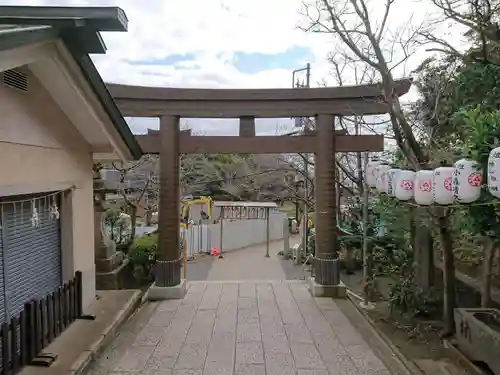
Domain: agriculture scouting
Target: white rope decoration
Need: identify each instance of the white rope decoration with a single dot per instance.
(35, 220)
(48, 202)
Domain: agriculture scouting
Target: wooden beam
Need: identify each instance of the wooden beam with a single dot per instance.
(245, 145)
(257, 108)
(140, 101)
(157, 132)
(169, 94)
(247, 126)
(262, 144)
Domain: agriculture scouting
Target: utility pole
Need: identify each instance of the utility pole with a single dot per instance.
(299, 122)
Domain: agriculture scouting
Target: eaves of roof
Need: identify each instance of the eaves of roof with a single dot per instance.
(79, 28)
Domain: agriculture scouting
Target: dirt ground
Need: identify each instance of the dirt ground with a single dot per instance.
(414, 340)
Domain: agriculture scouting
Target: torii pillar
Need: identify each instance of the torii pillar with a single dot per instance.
(326, 281)
(168, 266)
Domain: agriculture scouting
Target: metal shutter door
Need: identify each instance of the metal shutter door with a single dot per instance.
(32, 254)
(2, 279)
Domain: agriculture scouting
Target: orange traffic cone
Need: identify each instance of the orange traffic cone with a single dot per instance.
(216, 252)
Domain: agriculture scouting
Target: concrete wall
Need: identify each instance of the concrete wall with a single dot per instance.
(236, 234)
(34, 159)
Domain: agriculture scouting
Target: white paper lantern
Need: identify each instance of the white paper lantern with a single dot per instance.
(494, 172)
(467, 181)
(371, 173)
(393, 175)
(382, 178)
(423, 194)
(441, 188)
(405, 185)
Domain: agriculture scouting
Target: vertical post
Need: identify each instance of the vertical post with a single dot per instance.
(306, 180)
(184, 258)
(326, 219)
(308, 75)
(221, 228)
(286, 238)
(79, 294)
(306, 210)
(6, 295)
(191, 242)
(209, 239)
(366, 260)
(29, 334)
(200, 236)
(168, 267)
(247, 126)
(298, 122)
(268, 228)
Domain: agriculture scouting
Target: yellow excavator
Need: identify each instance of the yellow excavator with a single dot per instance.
(310, 220)
(187, 202)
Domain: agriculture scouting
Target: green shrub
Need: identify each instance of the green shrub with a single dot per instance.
(410, 299)
(143, 254)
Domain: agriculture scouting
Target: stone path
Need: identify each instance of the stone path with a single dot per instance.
(243, 328)
(251, 264)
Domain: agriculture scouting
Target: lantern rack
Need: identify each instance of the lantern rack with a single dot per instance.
(446, 186)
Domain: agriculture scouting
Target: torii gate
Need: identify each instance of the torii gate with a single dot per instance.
(170, 104)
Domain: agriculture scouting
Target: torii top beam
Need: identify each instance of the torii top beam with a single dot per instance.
(248, 104)
(141, 101)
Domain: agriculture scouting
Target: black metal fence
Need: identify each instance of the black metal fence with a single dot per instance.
(23, 338)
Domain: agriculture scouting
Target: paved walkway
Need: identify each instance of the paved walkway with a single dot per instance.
(251, 264)
(246, 264)
(242, 328)
(247, 316)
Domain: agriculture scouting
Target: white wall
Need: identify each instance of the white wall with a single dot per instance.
(237, 234)
(33, 160)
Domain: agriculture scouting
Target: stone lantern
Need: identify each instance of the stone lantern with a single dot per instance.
(109, 262)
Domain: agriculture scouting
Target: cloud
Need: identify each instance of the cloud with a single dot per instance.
(202, 43)
(213, 43)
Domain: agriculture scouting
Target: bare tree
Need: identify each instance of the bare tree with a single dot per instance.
(372, 43)
(479, 18)
(349, 175)
(138, 184)
(198, 171)
(369, 40)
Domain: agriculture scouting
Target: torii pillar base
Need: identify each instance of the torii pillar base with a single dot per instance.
(162, 293)
(328, 291)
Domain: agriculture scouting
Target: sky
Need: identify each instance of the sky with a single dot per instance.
(214, 44)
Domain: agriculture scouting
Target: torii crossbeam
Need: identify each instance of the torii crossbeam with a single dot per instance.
(170, 104)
